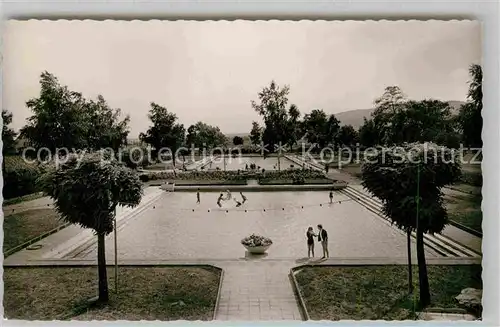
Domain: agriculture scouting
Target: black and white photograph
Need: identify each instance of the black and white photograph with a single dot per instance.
(242, 170)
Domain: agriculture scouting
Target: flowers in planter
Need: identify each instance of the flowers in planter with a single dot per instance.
(256, 240)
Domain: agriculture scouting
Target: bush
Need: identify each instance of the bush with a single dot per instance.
(19, 177)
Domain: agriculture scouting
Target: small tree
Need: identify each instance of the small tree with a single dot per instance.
(8, 134)
(408, 180)
(86, 192)
(237, 140)
(256, 133)
(165, 132)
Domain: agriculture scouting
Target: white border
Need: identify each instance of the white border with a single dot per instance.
(483, 10)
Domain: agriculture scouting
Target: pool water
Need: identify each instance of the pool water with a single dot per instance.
(178, 228)
(270, 163)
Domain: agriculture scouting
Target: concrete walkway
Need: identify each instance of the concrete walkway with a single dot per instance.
(257, 290)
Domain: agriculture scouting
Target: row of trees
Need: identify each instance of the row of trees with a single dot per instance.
(65, 119)
(410, 190)
(398, 120)
(395, 120)
(283, 125)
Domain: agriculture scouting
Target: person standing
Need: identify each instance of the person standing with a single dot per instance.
(310, 242)
(331, 196)
(323, 238)
(198, 196)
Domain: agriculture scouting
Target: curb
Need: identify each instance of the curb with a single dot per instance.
(262, 188)
(217, 300)
(466, 229)
(295, 286)
(34, 240)
(339, 262)
(22, 198)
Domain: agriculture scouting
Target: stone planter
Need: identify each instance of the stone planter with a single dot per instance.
(257, 249)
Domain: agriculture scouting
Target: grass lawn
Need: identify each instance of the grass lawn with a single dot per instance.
(465, 208)
(145, 293)
(25, 225)
(378, 292)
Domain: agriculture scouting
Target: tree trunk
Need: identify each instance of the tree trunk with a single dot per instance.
(410, 272)
(425, 296)
(101, 263)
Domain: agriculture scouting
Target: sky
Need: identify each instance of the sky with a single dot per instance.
(210, 71)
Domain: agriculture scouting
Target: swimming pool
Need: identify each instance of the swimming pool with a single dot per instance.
(270, 163)
(178, 228)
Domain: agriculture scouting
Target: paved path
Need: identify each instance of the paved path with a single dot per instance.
(257, 290)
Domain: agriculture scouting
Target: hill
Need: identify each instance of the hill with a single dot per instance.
(355, 117)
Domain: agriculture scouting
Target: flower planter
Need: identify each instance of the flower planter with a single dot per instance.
(257, 249)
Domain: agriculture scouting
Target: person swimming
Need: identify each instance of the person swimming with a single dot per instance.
(238, 203)
(221, 196)
(244, 198)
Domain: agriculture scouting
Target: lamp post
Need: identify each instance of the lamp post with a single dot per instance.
(116, 254)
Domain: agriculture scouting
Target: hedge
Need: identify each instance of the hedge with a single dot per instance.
(19, 177)
(205, 182)
(265, 181)
(296, 175)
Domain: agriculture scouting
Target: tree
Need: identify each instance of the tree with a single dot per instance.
(272, 107)
(294, 128)
(347, 136)
(165, 133)
(8, 134)
(422, 121)
(105, 128)
(201, 135)
(368, 133)
(65, 119)
(320, 128)
(86, 191)
(237, 140)
(469, 119)
(409, 180)
(58, 117)
(256, 133)
(387, 106)
(314, 125)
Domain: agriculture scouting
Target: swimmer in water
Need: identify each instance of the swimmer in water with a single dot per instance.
(244, 198)
(220, 199)
(238, 203)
